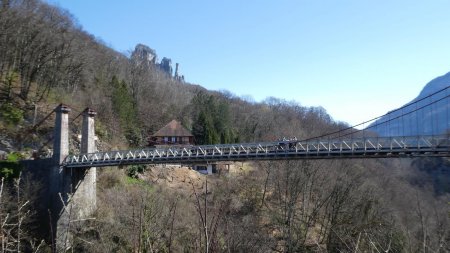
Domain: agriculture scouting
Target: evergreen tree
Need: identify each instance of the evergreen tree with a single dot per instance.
(212, 123)
(124, 106)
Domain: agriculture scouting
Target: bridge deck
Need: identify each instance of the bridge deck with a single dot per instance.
(371, 147)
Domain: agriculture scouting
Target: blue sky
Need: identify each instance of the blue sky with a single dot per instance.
(356, 58)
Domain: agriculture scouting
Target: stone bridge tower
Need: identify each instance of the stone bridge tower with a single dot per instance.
(73, 191)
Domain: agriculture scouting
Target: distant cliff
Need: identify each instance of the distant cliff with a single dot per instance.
(414, 120)
(145, 56)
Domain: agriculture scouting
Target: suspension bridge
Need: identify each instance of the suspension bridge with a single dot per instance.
(345, 143)
(72, 177)
(375, 147)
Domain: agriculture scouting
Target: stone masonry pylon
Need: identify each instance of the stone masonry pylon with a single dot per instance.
(61, 134)
(73, 190)
(84, 179)
(60, 178)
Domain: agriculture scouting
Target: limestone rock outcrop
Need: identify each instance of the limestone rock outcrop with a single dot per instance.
(166, 66)
(144, 56)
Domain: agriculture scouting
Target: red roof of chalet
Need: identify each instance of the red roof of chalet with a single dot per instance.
(174, 128)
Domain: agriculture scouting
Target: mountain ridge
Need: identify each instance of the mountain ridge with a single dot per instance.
(431, 105)
(434, 85)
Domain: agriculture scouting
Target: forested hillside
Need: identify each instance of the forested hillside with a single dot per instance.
(316, 206)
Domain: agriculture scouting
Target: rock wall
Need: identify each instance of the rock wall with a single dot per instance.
(145, 56)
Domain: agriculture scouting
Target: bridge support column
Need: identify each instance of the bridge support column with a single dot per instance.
(73, 189)
(61, 134)
(60, 185)
(84, 179)
(209, 169)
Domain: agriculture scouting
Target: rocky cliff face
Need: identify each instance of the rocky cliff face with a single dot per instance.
(145, 56)
(430, 120)
(166, 66)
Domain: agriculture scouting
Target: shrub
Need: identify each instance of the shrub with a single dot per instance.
(134, 170)
(10, 114)
(101, 130)
(10, 168)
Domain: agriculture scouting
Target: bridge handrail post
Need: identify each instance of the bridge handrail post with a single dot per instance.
(329, 145)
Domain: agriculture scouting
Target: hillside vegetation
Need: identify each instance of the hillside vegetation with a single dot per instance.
(292, 206)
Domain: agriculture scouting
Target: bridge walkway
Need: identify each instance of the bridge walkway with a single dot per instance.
(370, 147)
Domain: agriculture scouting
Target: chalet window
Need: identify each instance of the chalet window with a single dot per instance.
(166, 139)
(174, 139)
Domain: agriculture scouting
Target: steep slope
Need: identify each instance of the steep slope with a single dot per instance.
(434, 85)
(429, 116)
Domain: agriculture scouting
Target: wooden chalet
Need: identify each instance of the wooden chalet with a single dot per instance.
(172, 134)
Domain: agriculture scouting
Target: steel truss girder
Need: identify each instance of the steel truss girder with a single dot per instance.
(370, 147)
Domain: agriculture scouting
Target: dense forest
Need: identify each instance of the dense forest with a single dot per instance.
(286, 206)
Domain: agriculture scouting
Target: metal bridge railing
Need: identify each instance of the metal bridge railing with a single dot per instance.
(371, 147)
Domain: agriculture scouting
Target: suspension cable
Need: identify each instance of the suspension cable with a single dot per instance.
(379, 117)
(420, 108)
(52, 137)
